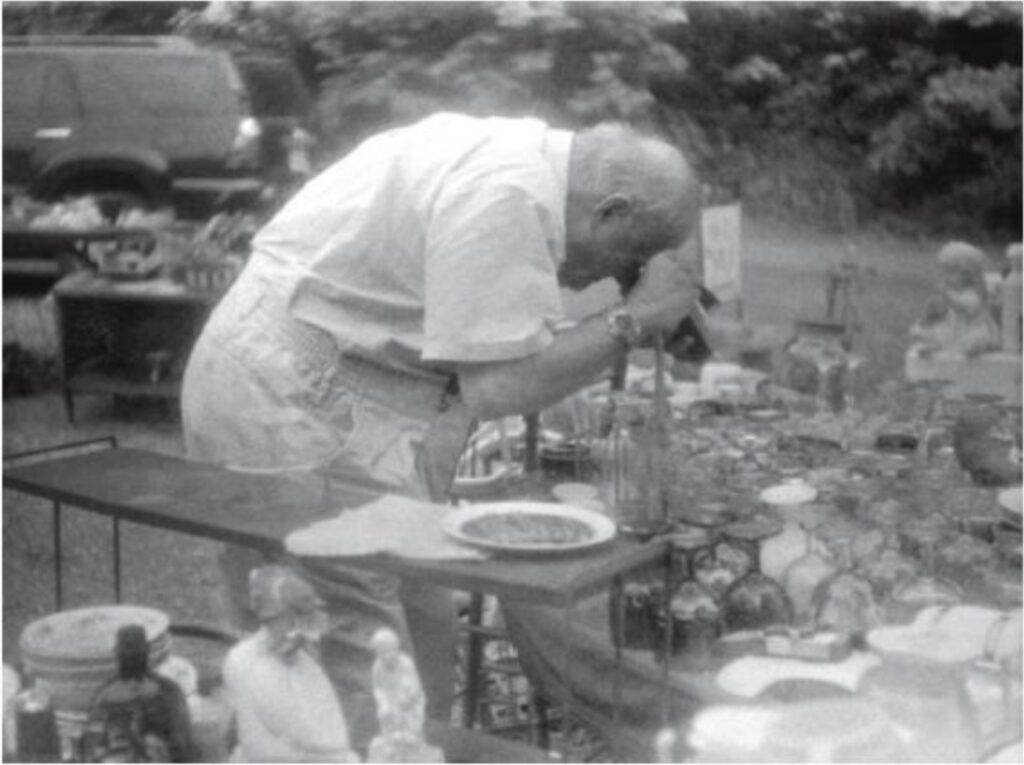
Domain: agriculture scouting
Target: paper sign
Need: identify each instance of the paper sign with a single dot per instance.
(722, 246)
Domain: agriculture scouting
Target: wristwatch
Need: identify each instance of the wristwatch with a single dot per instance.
(624, 325)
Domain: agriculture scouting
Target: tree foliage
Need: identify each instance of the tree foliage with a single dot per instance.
(833, 111)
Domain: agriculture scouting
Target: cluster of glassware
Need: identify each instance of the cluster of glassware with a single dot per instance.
(888, 534)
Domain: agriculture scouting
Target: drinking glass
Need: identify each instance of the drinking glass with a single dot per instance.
(921, 539)
(845, 601)
(755, 600)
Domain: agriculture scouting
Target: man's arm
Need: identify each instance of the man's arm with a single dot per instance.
(522, 386)
(666, 293)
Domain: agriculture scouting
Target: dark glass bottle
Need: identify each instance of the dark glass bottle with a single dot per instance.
(138, 716)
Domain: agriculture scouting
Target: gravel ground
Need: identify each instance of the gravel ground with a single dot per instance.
(172, 572)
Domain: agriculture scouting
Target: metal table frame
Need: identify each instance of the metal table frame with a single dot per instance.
(259, 511)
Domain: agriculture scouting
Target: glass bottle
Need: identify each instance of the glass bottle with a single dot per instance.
(846, 601)
(694, 616)
(210, 715)
(35, 725)
(803, 576)
(631, 478)
(780, 550)
(138, 715)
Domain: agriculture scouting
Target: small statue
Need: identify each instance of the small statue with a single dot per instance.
(400, 705)
(285, 705)
(958, 322)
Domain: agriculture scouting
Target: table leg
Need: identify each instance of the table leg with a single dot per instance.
(117, 559)
(666, 655)
(569, 705)
(58, 586)
(474, 658)
(542, 731)
(617, 640)
(62, 357)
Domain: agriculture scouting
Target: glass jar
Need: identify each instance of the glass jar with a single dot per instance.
(633, 617)
(694, 616)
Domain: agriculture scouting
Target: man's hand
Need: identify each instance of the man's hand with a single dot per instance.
(666, 293)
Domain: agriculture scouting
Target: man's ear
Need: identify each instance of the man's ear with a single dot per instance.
(611, 207)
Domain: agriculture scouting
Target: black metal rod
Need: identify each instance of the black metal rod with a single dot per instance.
(531, 458)
(570, 697)
(117, 559)
(58, 573)
(474, 657)
(110, 440)
(667, 641)
(618, 638)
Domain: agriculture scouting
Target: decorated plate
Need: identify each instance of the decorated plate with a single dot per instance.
(528, 527)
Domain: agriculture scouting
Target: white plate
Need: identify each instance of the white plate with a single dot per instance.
(793, 493)
(459, 525)
(575, 493)
(1010, 500)
(941, 646)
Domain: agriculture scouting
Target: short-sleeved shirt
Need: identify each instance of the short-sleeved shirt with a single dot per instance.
(432, 244)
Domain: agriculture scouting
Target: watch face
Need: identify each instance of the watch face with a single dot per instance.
(625, 326)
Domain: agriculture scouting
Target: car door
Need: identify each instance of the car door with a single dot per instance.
(23, 87)
(42, 115)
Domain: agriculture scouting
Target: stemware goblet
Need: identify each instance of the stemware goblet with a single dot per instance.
(755, 600)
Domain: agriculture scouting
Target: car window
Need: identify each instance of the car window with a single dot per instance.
(275, 88)
(24, 77)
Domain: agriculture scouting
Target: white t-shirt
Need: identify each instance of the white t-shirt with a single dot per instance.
(432, 244)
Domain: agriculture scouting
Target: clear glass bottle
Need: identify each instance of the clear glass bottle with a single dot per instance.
(802, 577)
(631, 466)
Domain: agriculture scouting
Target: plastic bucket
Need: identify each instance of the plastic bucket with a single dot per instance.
(73, 652)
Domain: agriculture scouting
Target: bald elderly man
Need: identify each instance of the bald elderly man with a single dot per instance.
(408, 290)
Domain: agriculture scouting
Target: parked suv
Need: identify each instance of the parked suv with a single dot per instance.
(135, 121)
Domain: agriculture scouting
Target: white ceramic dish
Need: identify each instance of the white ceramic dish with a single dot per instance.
(791, 493)
(1010, 500)
(465, 525)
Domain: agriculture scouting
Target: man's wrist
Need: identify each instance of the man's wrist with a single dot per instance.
(624, 325)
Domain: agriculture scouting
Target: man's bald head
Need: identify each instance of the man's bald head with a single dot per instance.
(630, 197)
